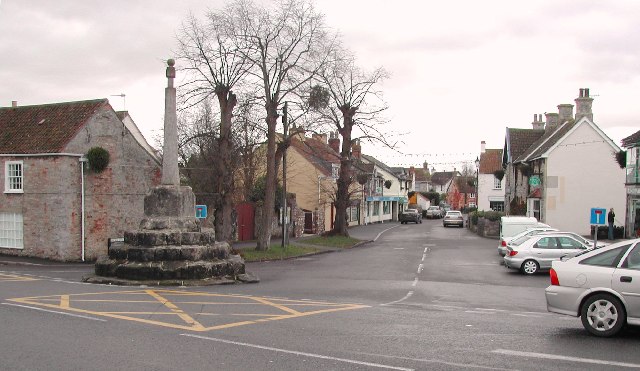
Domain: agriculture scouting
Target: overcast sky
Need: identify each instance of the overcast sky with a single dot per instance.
(461, 71)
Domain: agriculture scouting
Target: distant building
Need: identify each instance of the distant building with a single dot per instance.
(55, 207)
(632, 184)
(490, 187)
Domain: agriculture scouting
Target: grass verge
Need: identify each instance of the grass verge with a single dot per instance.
(276, 253)
(331, 241)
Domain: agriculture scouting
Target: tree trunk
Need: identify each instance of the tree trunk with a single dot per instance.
(264, 238)
(344, 179)
(223, 221)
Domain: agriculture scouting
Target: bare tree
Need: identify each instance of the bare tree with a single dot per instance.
(348, 98)
(215, 66)
(282, 43)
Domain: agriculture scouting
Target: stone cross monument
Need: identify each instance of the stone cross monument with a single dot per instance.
(170, 247)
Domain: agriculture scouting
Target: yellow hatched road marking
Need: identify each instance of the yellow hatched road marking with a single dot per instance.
(66, 302)
(5, 277)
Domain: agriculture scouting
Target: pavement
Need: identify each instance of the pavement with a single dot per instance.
(364, 233)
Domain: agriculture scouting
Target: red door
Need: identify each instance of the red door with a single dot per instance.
(246, 215)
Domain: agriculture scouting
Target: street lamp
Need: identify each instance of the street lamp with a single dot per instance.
(477, 182)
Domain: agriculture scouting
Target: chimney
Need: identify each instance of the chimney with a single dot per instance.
(537, 123)
(334, 142)
(356, 150)
(298, 133)
(412, 170)
(320, 137)
(583, 105)
(565, 111)
(483, 147)
(552, 122)
(425, 166)
(14, 103)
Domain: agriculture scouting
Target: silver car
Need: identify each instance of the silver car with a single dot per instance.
(502, 246)
(453, 218)
(601, 286)
(533, 253)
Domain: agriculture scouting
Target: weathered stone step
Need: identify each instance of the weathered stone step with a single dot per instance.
(171, 270)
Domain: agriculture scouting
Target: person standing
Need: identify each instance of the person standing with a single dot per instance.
(611, 217)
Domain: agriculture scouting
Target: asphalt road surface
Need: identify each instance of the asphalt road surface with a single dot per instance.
(421, 297)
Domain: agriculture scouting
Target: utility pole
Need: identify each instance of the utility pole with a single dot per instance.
(285, 125)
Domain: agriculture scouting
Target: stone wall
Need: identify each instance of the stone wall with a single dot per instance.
(486, 228)
(51, 204)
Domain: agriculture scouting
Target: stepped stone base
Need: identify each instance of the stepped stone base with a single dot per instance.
(170, 248)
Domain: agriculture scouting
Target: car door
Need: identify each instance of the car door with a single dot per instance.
(570, 246)
(626, 281)
(546, 250)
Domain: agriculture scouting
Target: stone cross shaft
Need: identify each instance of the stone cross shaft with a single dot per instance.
(170, 174)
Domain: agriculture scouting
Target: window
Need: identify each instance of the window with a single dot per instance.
(569, 243)
(546, 243)
(497, 183)
(496, 205)
(11, 230)
(376, 208)
(335, 171)
(386, 207)
(608, 258)
(13, 177)
(633, 259)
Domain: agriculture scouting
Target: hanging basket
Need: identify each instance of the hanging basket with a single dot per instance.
(499, 174)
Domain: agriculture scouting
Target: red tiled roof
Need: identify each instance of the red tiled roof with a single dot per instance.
(318, 153)
(422, 175)
(46, 128)
(441, 177)
(490, 161)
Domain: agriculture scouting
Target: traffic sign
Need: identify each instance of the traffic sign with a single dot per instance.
(598, 215)
(201, 211)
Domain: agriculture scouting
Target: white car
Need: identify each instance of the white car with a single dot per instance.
(502, 247)
(601, 286)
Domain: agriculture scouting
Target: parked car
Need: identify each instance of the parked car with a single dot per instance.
(601, 286)
(512, 225)
(453, 218)
(434, 212)
(533, 253)
(502, 247)
(410, 215)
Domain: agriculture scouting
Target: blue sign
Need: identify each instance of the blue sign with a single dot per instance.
(598, 216)
(201, 211)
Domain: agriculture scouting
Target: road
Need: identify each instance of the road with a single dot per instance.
(421, 297)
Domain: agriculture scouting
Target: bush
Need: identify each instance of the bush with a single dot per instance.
(98, 159)
(493, 215)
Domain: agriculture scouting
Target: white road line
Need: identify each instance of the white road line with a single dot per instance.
(380, 234)
(457, 365)
(398, 301)
(491, 309)
(415, 282)
(420, 267)
(54, 311)
(424, 256)
(564, 358)
(479, 312)
(398, 248)
(299, 353)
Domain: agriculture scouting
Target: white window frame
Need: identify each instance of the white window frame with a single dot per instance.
(8, 177)
(335, 171)
(497, 183)
(11, 231)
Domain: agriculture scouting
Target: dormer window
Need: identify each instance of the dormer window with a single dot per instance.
(335, 171)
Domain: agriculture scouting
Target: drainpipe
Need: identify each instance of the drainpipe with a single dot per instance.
(82, 161)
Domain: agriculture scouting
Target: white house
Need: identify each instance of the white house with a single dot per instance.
(490, 187)
(382, 203)
(568, 170)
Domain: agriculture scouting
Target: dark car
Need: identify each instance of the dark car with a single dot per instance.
(410, 215)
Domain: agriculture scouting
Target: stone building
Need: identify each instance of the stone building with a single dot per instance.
(53, 205)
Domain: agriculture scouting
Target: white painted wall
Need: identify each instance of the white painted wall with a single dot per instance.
(587, 177)
(487, 190)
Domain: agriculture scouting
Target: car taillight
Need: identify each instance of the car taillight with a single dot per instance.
(503, 243)
(554, 277)
(513, 253)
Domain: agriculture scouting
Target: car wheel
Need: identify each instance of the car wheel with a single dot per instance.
(603, 315)
(530, 267)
